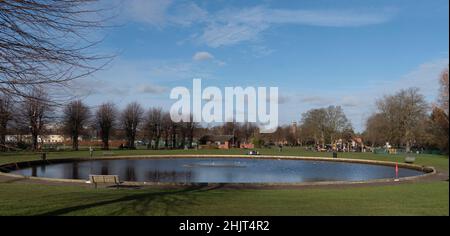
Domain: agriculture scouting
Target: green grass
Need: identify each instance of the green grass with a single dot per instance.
(422, 198)
(403, 199)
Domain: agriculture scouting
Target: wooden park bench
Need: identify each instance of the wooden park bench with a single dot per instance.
(104, 179)
(410, 160)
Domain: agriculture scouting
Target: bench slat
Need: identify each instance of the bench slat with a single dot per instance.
(104, 179)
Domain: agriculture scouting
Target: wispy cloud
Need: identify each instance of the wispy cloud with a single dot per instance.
(152, 12)
(202, 56)
(425, 77)
(152, 89)
(360, 104)
(328, 18)
(162, 13)
(232, 25)
(316, 100)
(92, 86)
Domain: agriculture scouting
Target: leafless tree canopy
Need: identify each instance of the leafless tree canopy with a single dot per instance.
(75, 118)
(439, 121)
(325, 125)
(376, 128)
(131, 118)
(444, 91)
(6, 113)
(42, 42)
(105, 121)
(403, 115)
(152, 125)
(35, 114)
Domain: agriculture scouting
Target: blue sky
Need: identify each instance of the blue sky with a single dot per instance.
(318, 53)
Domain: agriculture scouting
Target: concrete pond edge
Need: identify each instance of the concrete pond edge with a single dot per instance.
(427, 170)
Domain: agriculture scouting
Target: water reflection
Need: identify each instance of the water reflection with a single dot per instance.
(220, 170)
(75, 170)
(104, 170)
(34, 171)
(169, 176)
(130, 175)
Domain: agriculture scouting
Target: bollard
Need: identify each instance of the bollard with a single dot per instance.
(396, 172)
(334, 154)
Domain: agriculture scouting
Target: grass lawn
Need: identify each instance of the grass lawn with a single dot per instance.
(404, 199)
(422, 198)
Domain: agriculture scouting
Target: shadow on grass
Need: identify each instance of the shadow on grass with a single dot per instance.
(11, 180)
(140, 202)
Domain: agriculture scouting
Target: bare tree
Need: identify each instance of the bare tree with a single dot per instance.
(325, 124)
(185, 130)
(247, 131)
(45, 42)
(174, 130)
(75, 117)
(313, 125)
(439, 119)
(131, 118)
(231, 128)
(35, 112)
(404, 114)
(444, 92)
(376, 129)
(105, 121)
(152, 125)
(5, 117)
(337, 122)
(166, 127)
(190, 130)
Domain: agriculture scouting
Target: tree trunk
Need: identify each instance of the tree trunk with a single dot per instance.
(3, 137)
(131, 142)
(191, 140)
(157, 142)
(3, 142)
(105, 140)
(174, 141)
(166, 141)
(35, 144)
(75, 142)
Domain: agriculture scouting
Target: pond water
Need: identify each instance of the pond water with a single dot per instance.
(217, 170)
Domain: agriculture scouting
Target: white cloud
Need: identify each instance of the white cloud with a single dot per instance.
(202, 56)
(328, 18)
(152, 12)
(188, 14)
(234, 25)
(217, 35)
(161, 13)
(360, 103)
(425, 77)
